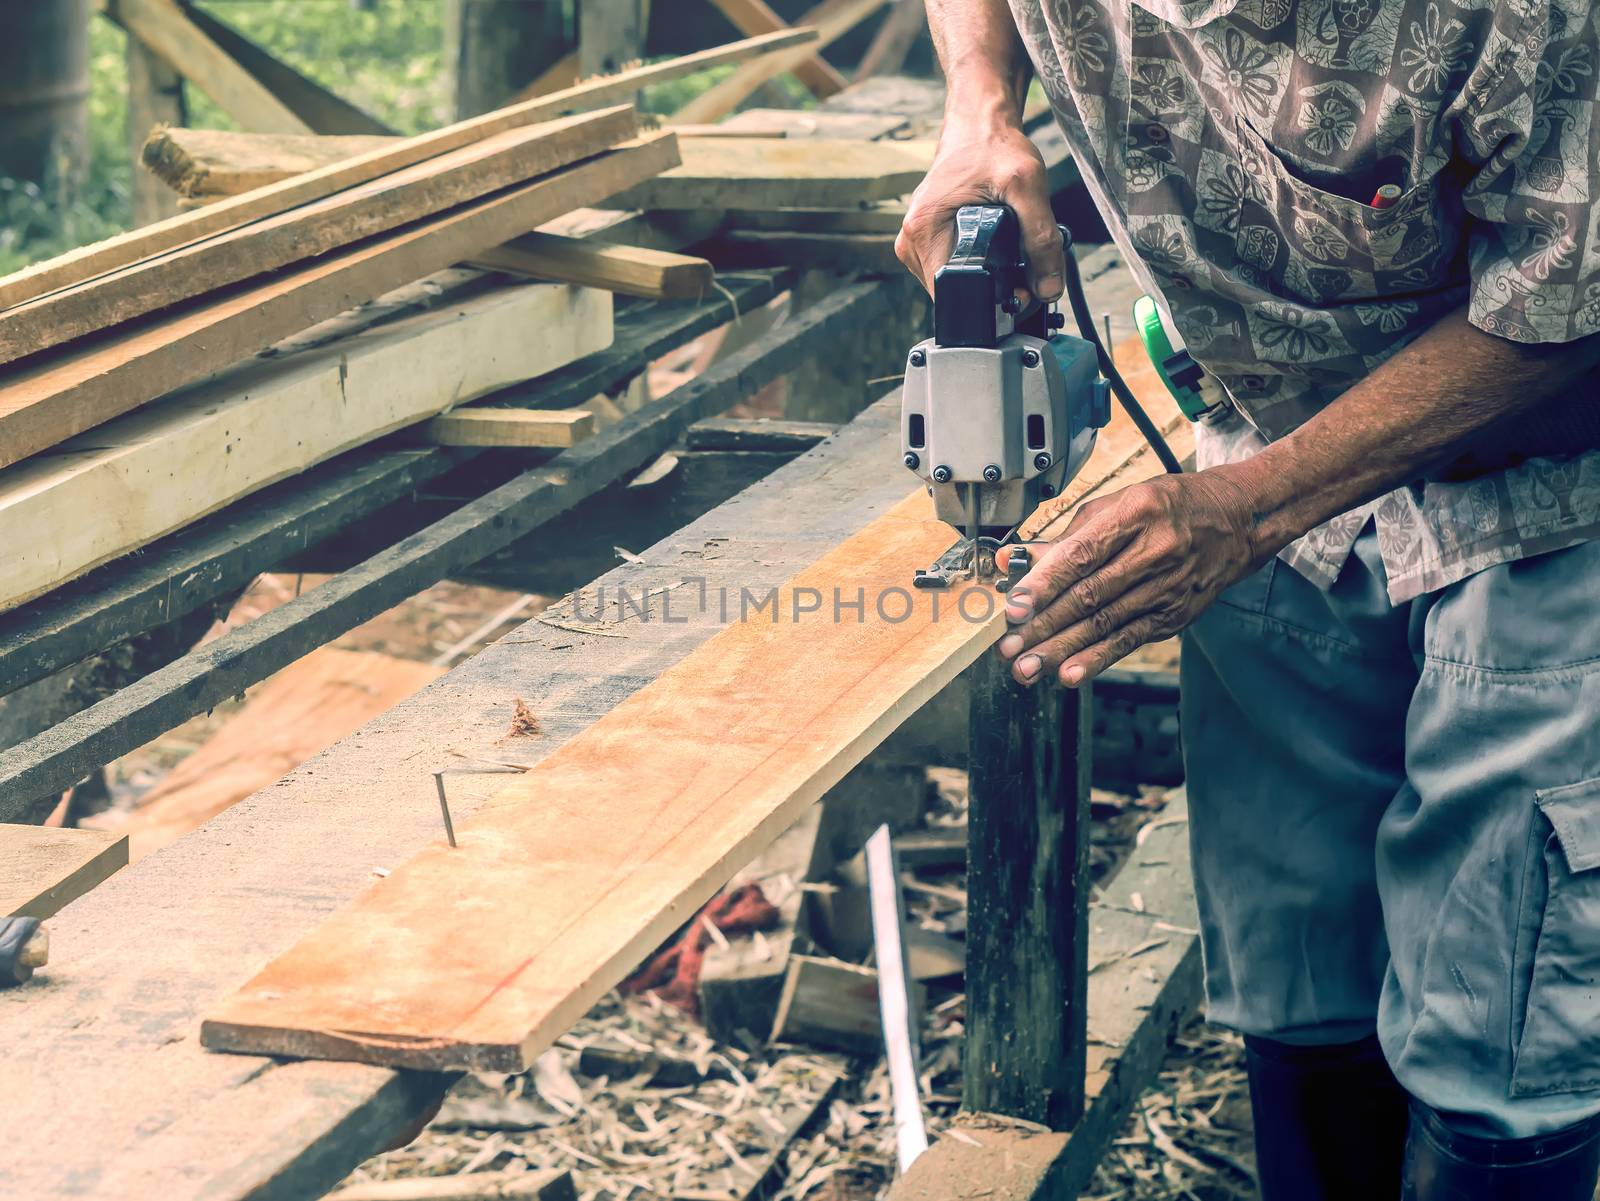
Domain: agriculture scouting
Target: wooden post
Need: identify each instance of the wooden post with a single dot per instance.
(155, 97)
(501, 46)
(1027, 898)
(44, 92)
(611, 34)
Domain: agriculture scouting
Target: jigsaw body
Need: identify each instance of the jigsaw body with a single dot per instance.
(998, 411)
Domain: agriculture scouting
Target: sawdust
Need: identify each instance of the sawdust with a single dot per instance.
(524, 721)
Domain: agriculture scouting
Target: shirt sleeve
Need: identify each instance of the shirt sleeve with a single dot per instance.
(1533, 216)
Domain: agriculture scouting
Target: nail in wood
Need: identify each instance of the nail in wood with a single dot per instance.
(444, 808)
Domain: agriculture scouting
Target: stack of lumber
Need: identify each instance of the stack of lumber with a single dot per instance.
(214, 341)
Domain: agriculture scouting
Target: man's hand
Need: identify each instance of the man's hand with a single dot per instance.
(1134, 567)
(983, 162)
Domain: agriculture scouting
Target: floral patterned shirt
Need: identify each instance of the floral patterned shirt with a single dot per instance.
(1233, 147)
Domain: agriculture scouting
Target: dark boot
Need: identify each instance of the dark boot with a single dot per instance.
(1330, 1121)
(1443, 1165)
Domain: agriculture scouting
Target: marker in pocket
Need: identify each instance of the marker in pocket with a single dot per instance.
(1385, 196)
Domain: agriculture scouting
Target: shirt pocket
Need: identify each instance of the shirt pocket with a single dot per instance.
(1558, 1048)
(1399, 247)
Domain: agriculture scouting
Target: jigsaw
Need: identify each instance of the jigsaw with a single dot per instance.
(1000, 408)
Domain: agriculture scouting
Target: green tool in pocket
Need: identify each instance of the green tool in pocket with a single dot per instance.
(1197, 391)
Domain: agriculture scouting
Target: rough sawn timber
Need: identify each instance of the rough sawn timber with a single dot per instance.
(42, 868)
(587, 861)
(99, 257)
(51, 396)
(343, 219)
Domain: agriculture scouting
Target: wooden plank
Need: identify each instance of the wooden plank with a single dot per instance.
(220, 162)
(1145, 981)
(536, 428)
(43, 869)
(114, 489)
(807, 123)
(508, 1185)
(830, 1003)
(494, 995)
(906, 22)
(756, 433)
(411, 194)
(99, 257)
(1027, 898)
(783, 173)
(155, 98)
(319, 109)
(630, 270)
(818, 75)
(301, 711)
(167, 30)
(51, 397)
(885, 217)
(33, 774)
(831, 19)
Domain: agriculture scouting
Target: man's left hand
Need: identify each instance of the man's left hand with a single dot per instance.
(1132, 568)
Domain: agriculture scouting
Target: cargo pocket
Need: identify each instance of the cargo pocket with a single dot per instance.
(1558, 1050)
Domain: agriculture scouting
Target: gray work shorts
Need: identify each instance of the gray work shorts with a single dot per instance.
(1395, 813)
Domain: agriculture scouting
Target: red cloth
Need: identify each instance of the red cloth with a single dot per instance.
(673, 973)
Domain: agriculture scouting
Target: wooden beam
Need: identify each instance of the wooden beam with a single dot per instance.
(1144, 981)
(99, 257)
(564, 911)
(155, 100)
(885, 217)
(808, 123)
(320, 110)
(219, 162)
(114, 490)
(549, 429)
(43, 869)
(510, 1185)
(831, 19)
(327, 225)
(829, 1003)
(1027, 898)
(818, 75)
(301, 711)
(770, 173)
(167, 30)
(611, 35)
(906, 22)
(630, 270)
(53, 396)
(498, 45)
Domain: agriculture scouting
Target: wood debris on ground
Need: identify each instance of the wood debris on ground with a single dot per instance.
(637, 1100)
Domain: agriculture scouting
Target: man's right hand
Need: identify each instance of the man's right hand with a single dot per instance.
(983, 163)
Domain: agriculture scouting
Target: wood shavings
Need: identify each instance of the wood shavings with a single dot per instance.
(572, 627)
(524, 721)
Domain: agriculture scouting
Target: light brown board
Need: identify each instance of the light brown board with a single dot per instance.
(630, 270)
(48, 398)
(42, 869)
(536, 428)
(783, 173)
(384, 204)
(219, 162)
(116, 488)
(302, 710)
(755, 16)
(479, 956)
(99, 257)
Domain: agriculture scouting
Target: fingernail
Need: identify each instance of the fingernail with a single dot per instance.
(1019, 605)
(1073, 676)
(1010, 645)
(1028, 665)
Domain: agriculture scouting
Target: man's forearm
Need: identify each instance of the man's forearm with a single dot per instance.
(1417, 410)
(985, 66)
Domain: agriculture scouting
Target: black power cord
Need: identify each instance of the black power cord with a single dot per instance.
(1087, 330)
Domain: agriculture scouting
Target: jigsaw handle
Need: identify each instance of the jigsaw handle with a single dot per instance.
(980, 280)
